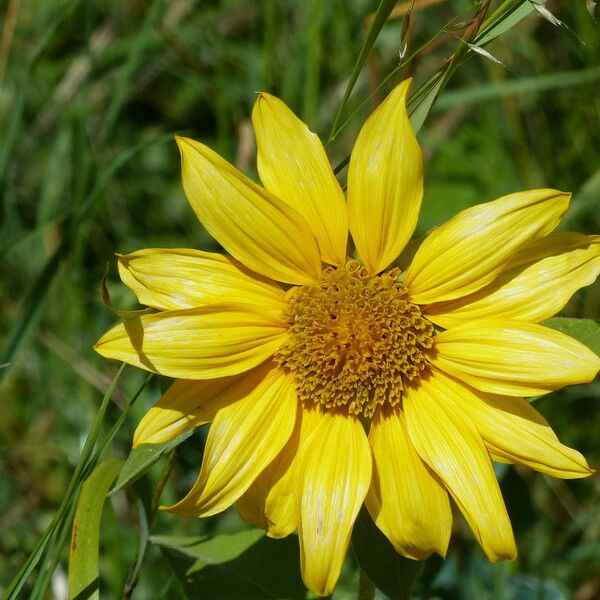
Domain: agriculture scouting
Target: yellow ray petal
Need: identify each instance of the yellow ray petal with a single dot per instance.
(334, 471)
(251, 504)
(260, 230)
(243, 439)
(468, 251)
(513, 358)
(168, 279)
(513, 430)
(188, 404)
(385, 182)
(216, 340)
(405, 500)
(270, 502)
(292, 164)
(537, 283)
(449, 443)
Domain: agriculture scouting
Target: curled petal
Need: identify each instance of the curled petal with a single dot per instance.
(405, 500)
(449, 443)
(243, 439)
(187, 404)
(271, 501)
(514, 431)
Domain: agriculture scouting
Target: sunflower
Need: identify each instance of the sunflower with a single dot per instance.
(333, 378)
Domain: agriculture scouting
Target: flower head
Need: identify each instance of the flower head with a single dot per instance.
(354, 381)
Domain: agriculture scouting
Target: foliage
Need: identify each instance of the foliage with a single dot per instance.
(90, 96)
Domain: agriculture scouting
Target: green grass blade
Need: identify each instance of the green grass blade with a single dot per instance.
(522, 85)
(504, 18)
(38, 552)
(383, 12)
(143, 544)
(314, 50)
(14, 126)
(32, 306)
(84, 573)
(115, 428)
(420, 105)
(53, 555)
(134, 59)
(268, 44)
(143, 457)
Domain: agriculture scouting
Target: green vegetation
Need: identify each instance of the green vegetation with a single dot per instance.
(91, 94)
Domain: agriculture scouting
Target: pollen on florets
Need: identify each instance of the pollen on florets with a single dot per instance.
(355, 339)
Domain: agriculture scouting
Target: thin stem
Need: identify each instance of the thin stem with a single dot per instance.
(379, 20)
(366, 588)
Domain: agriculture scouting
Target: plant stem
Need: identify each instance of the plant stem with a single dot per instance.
(366, 588)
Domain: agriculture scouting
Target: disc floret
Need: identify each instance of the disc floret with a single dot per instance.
(355, 339)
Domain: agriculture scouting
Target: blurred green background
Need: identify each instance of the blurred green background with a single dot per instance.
(91, 93)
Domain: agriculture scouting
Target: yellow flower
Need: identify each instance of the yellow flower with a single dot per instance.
(353, 382)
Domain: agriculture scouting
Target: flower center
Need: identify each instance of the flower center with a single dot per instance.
(355, 339)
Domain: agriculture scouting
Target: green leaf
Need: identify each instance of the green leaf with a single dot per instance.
(85, 535)
(241, 566)
(393, 574)
(140, 459)
(587, 331)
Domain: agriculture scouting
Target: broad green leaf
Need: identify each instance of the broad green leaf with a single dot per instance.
(393, 574)
(241, 566)
(587, 331)
(140, 459)
(85, 536)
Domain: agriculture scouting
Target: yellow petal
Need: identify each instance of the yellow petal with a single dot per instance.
(449, 443)
(513, 430)
(292, 164)
(270, 502)
(469, 251)
(513, 358)
(216, 340)
(405, 500)
(243, 439)
(188, 404)
(168, 279)
(537, 283)
(385, 182)
(260, 230)
(251, 504)
(275, 487)
(334, 471)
